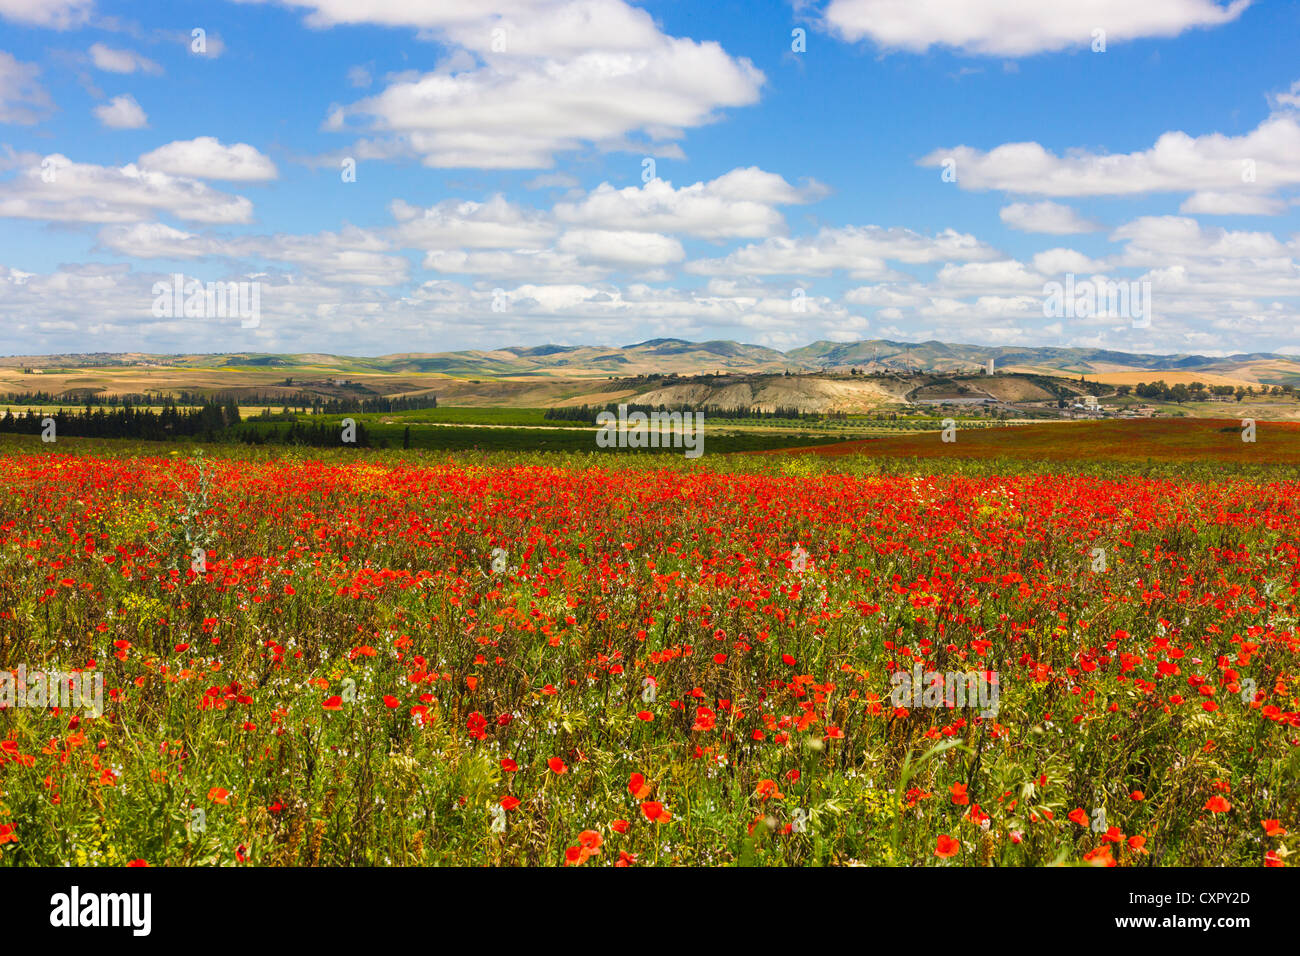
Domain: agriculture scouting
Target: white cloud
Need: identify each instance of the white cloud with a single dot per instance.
(122, 112)
(109, 304)
(22, 98)
(206, 158)
(1252, 164)
(737, 204)
(534, 78)
(519, 115)
(1017, 28)
(351, 256)
(1052, 262)
(121, 61)
(860, 251)
(1007, 275)
(1211, 203)
(453, 224)
(155, 240)
(622, 249)
(1291, 98)
(1210, 286)
(83, 192)
(514, 265)
(1158, 240)
(1048, 217)
(56, 14)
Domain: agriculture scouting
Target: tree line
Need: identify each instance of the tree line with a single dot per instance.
(205, 421)
(1199, 391)
(210, 421)
(588, 413)
(303, 402)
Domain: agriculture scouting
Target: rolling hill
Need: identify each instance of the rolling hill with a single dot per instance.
(667, 356)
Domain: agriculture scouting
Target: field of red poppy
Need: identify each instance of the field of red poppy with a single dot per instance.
(1116, 440)
(373, 661)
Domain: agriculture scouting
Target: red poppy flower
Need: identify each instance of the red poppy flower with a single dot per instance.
(556, 765)
(946, 847)
(477, 726)
(637, 786)
(1101, 856)
(705, 719)
(655, 812)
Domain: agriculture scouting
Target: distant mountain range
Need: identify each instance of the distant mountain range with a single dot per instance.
(670, 355)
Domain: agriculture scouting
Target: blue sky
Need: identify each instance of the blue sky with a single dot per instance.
(502, 195)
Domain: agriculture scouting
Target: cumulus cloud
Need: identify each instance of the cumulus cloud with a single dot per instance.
(740, 203)
(206, 158)
(56, 14)
(513, 265)
(1007, 275)
(1210, 286)
(110, 304)
(1210, 203)
(624, 249)
(1200, 306)
(534, 78)
(860, 251)
(121, 61)
(1210, 263)
(122, 112)
(1051, 262)
(349, 256)
(453, 223)
(1290, 98)
(59, 190)
(1048, 217)
(1016, 28)
(22, 98)
(1253, 164)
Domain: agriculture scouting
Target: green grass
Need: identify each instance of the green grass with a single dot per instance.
(559, 439)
